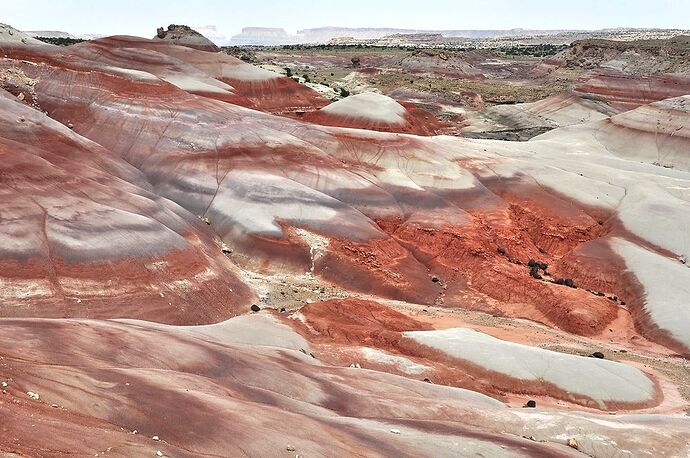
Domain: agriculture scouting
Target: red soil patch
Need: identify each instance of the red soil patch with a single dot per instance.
(338, 327)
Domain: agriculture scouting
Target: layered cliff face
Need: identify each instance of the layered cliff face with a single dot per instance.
(148, 186)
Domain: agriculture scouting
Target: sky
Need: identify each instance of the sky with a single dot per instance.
(141, 17)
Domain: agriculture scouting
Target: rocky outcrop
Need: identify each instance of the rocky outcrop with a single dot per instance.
(185, 36)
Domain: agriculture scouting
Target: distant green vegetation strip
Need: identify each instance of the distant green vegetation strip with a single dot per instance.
(60, 41)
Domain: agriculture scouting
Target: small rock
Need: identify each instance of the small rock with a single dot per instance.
(598, 354)
(435, 279)
(427, 380)
(531, 404)
(501, 250)
(282, 310)
(156, 438)
(159, 453)
(622, 302)
(32, 395)
(290, 448)
(55, 406)
(70, 125)
(255, 308)
(572, 443)
(4, 384)
(20, 96)
(395, 431)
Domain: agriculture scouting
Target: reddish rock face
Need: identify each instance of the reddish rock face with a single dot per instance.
(626, 92)
(149, 181)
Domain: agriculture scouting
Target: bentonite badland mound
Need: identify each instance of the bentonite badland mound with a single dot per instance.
(188, 268)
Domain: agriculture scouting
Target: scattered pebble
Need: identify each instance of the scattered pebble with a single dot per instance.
(290, 448)
(32, 395)
(255, 308)
(156, 438)
(159, 453)
(395, 431)
(572, 443)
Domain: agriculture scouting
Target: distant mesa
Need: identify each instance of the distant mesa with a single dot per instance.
(184, 35)
(268, 36)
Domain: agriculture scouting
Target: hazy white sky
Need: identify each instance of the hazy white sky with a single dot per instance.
(141, 17)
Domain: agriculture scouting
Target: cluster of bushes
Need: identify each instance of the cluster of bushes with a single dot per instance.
(542, 50)
(60, 41)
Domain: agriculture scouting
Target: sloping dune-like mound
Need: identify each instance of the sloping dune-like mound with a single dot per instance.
(84, 235)
(526, 120)
(657, 133)
(626, 92)
(371, 106)
(9, 34)
(388, 338)
(141, 180)
(211, 74)
(370, 110)
(265, 400)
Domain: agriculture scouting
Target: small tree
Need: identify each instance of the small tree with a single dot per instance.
(288, 72)
(344, 92)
